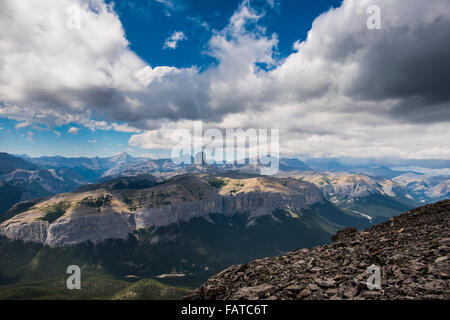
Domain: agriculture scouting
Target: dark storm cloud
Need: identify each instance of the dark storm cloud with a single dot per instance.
(411, 65)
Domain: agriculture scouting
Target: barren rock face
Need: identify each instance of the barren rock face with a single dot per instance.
(99, 214)
(351, 186)
(412, 252)
(76, 230)
(35, 231)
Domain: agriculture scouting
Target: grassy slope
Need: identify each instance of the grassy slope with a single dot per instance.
(94, 287)
(149, 289)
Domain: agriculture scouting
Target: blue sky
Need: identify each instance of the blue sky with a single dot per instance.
(38, 141)
(147, 26)
(89, 78)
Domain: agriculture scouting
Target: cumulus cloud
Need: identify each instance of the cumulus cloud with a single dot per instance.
(84, 68)
(92, 69)
(345, 90)
(21, 125)
(172, 41)
(73, 130)
(402, 66)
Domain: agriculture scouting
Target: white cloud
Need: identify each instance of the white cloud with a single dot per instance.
(73, 130)
(345, 90)
(21, 125)
(80, 67)
(172, 41)
(57, 133)
(160, 139)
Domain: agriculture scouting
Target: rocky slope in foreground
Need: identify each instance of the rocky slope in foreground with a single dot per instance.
(412, 251)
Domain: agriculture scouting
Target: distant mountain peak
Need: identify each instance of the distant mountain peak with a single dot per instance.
(122, 157)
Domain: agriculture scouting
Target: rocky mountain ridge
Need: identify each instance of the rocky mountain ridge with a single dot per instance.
(372, 198)
(411, 250)
(99, 214)
(411, 186)
(21, 180)
(346, 183)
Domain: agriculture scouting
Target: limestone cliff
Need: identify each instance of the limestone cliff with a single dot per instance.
(99, 214)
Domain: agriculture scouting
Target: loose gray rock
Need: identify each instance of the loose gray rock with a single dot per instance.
(411, 251)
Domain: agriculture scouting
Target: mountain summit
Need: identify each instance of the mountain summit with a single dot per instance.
(121, 157)
(411, 250)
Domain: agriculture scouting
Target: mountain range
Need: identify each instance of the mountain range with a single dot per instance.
(392, 191)
(153, 219)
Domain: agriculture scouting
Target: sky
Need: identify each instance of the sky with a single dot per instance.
(366, 78)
